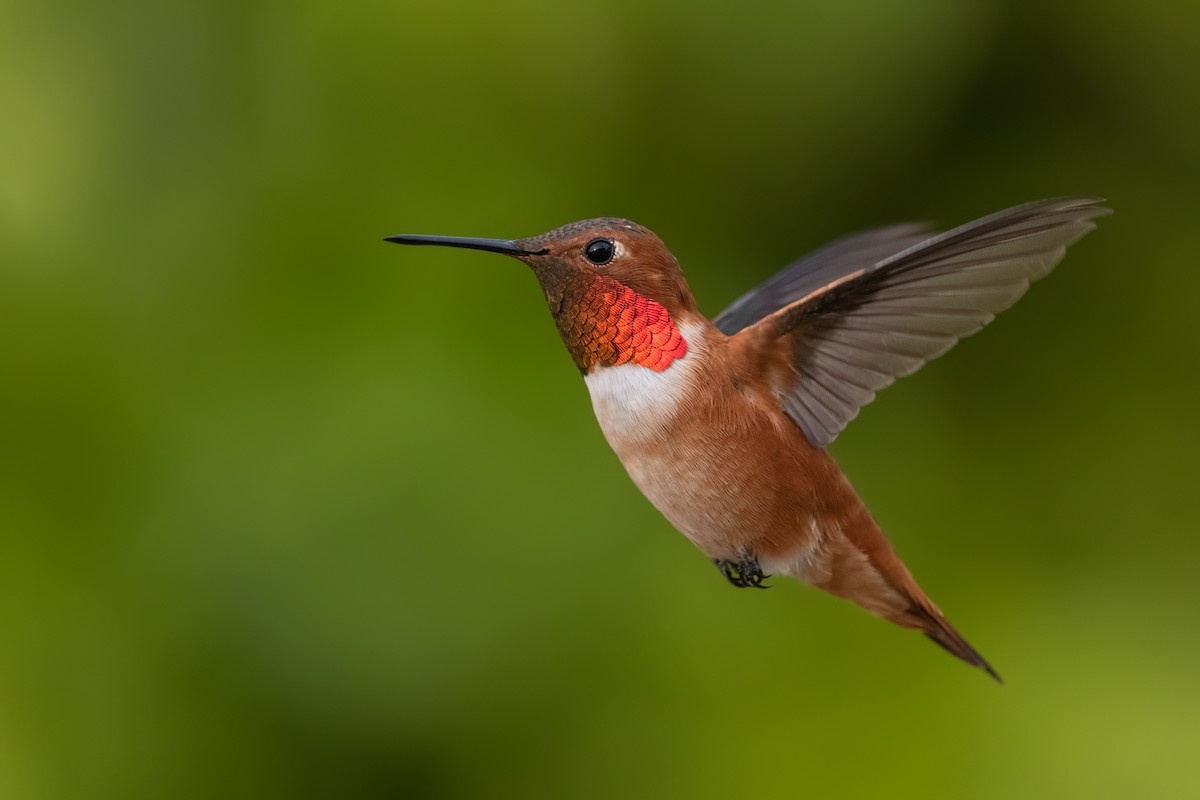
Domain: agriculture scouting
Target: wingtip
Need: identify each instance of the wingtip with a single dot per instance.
(1092, 205)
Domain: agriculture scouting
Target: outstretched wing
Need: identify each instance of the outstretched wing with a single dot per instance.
(856, 334)
(817, 269)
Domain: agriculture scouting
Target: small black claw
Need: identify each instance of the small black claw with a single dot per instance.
(728, 570)
(745, 573)
(751, 572)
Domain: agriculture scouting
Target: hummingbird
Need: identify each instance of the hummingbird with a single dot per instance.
(724, 424)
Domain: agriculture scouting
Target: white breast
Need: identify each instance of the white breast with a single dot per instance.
(634, 403)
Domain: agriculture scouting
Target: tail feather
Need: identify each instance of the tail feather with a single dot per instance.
(942, 633)
(860, 565)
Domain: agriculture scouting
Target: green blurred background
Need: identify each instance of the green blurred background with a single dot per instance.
(289, 512)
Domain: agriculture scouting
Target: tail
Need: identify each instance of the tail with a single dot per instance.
(862, 567)
(936, 627)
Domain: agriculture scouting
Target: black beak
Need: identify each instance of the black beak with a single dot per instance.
(505, 246)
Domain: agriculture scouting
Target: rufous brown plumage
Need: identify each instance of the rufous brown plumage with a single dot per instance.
(724, 424)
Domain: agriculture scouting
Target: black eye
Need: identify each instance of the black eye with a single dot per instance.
(599, 251)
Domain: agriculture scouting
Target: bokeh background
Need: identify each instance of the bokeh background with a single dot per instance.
(289, 512)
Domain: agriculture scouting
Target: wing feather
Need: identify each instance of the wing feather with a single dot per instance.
(871, 323)
(816, 270)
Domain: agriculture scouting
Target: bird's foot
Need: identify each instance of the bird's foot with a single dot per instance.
(744, 573)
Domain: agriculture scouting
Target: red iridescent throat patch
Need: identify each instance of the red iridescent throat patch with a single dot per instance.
(605, 322)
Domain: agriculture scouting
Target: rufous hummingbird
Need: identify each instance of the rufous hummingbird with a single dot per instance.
(724, 424)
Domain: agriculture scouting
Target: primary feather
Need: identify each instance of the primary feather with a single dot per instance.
(881, 319)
